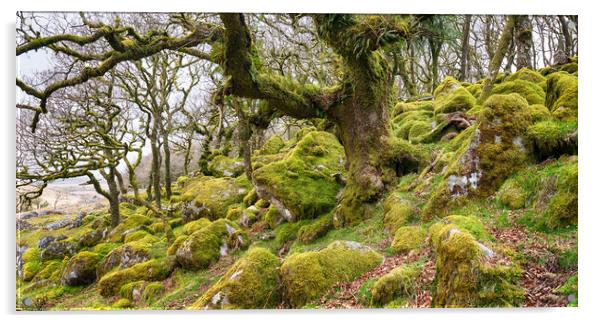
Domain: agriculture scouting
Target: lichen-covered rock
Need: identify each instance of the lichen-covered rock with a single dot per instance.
(561, 95)
(451, 96)
(302, 185)
(59, 249)
(123, 257)
(93, 237)
(251, 283)
(466, 273)
(224, 166)
(81, 269)
(308, 275)
(152, 270)
(408, 238)
(399, 282)
(208, 244)
(210, 197)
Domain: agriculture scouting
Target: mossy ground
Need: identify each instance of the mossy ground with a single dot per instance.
(524, 212)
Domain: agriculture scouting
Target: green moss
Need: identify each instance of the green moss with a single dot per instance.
(403, 107)
(539, 112)
(104, 248)
(132, 221)
(532, 92)
(133, 290)
(408, 238)
(528, 75)
(137, 235)
(464, 275)
(567, 259)
(471, 224)
(418, 130)
(205, 246)
(212, 196)
(272, 146)
(475, 89)
(152, 270)
(301, 184)
(152, 291)
(250, 198)
(122, 303)
(224, 166)
(173, 248)
(561, 96)
(272, 217)
(32, 263)
(192, 227)
(288, 231)
(81, 269)
(450, 96)
(570, 68)
(251, 283)
(52, 270)
(552, 138)
(400, 282)
(398, 213)
(318, 228)
(511, 195)
(306, 276)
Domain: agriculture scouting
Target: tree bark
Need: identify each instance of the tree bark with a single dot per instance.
(496, 62)
(524, 42)
(465, 47)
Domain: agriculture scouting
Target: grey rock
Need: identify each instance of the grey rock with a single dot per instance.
(59, 249)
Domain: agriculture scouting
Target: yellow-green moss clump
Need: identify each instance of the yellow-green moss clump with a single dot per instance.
(211, 196)
(561, 95)
(307, 276)
(251, 283)
(398, 212)
(403, 107)
(451, 96)
(224, 166)
(400, 282)
(539, 112)
(464, 275)
(32, 264)
(408, 238)
(125, 256)
(81, 269)
(404, 122)
(131, 222)
(318, 228)
(511, 195)
(562, 207)
(152, 270)
(528, 75)
(302, 185)
(532, 92)
(553, 138)
(205, 246)
(272, 146)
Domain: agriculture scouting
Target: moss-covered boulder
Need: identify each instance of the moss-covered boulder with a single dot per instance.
(490, 153)
(59, 250)
(303, 185)
(124, 256)
(398, 212)
(399, 282)
(318, 228)
(511, 195)
(408, 238)
(561, 96)
(208, 244)
(451, 96)
(129, 224)
(553, 138)
(528, 75)
(272, 146)
(224, 166)
(32, 264)
(532, 92)
(81, 269)
(152, 270)
(307, 276)
(251, 283)
(92, 237)
(467, 274)
(210, 197)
